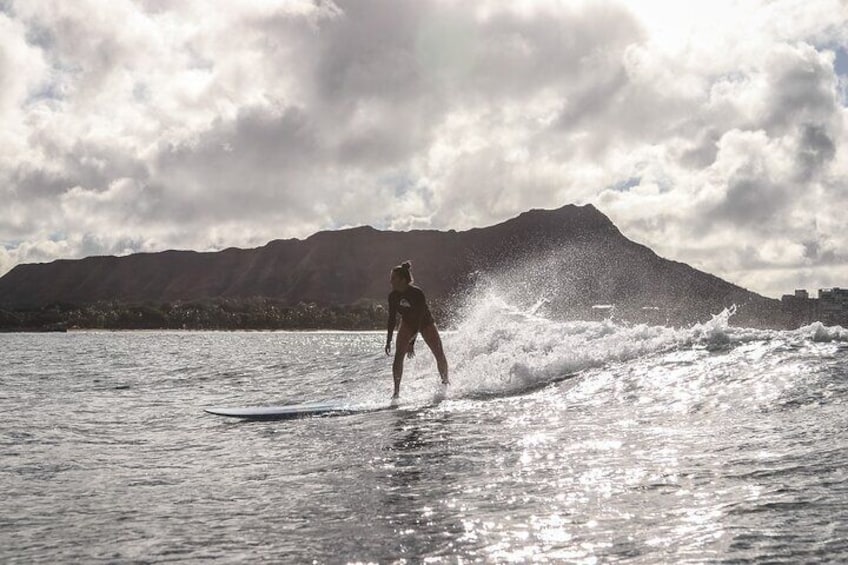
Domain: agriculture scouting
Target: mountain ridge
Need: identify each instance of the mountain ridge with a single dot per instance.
(575, 254)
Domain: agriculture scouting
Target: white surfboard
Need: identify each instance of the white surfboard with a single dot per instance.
(291, 411)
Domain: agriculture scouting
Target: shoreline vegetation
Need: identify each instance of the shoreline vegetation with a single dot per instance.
(217, 314)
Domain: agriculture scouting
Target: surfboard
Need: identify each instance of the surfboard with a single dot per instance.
(291, 411)
(306, 410)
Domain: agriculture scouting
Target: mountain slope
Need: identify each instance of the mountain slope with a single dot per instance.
(573, 256)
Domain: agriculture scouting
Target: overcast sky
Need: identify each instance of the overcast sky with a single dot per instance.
(713, 132)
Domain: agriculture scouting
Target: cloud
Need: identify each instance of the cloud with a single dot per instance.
(711, 132)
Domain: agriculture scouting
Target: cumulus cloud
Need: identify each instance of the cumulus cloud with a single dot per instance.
(713, 133)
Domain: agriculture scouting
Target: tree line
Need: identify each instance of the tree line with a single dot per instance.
(213, 314)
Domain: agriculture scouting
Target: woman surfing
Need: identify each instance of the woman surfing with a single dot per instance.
(408, 301)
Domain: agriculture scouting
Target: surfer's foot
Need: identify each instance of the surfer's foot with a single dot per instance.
(395, 400)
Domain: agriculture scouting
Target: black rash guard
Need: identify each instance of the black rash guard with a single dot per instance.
(412, 307)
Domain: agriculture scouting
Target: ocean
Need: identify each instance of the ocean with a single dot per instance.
(568, 442)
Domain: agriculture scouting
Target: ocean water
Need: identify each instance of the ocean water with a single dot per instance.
(563, 442)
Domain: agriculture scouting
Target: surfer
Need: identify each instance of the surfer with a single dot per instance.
(409, 301)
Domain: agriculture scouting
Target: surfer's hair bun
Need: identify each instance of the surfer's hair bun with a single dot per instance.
(403, 271)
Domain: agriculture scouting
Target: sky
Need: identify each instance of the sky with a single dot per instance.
(713, 132)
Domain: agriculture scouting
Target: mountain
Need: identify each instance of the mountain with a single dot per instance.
(572, 258)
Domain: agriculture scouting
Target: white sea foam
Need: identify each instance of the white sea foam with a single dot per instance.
(821, 333)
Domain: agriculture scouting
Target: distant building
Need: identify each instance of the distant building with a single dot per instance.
(800, 306)
(831, 306)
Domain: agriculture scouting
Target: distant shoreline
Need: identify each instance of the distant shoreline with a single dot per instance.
(224, 315)
(187, 330)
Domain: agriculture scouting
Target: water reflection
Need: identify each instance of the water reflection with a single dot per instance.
(415, 479)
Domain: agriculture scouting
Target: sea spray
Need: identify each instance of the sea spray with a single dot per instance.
(500, 349)
(502, 344)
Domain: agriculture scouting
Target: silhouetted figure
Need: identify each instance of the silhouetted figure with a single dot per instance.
(409, 301)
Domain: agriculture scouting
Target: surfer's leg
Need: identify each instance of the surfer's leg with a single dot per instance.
(401, 345)
(434, 342)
